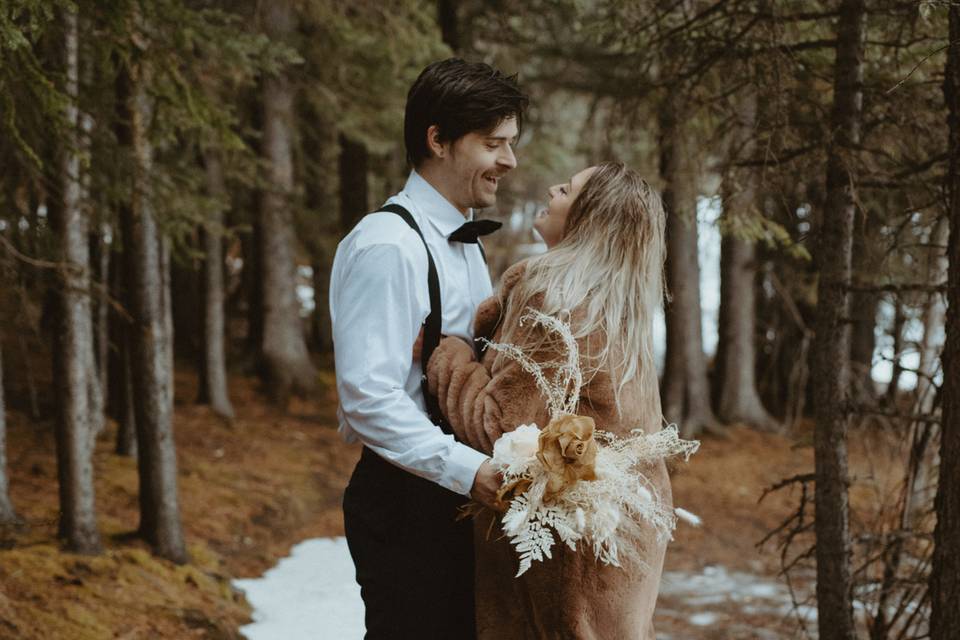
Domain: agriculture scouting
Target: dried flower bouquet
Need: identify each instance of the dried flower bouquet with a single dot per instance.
(575, 482)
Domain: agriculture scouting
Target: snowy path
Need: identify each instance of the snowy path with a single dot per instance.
(312, 595)
(309, 595)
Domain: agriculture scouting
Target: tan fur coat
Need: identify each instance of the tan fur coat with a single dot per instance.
(570, 596)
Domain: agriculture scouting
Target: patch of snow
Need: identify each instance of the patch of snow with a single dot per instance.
(715, 585)
(723, 599)
(310, 594)
(313, 594)
(704, 618)
(768, 590)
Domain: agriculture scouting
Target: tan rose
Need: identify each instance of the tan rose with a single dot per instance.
(568, 452)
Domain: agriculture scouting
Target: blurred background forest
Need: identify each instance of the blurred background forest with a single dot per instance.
(175, 176)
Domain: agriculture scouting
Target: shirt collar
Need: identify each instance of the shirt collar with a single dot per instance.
(445, 217)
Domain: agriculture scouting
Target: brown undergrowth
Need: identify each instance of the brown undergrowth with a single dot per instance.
(248, 490)
(252, 488)
(725, 479)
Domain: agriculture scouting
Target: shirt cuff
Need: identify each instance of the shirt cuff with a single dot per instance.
(461, 468)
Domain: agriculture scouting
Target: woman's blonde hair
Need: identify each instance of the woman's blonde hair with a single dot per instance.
(608, 271)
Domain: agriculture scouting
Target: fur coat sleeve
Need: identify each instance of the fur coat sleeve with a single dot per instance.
(483, 399)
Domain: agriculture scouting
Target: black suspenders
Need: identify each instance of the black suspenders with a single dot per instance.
(431, 326)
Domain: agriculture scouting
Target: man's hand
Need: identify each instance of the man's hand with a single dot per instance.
(485, 486)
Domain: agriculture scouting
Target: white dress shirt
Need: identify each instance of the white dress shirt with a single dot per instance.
(379, 299)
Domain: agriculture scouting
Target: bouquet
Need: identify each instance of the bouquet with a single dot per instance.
(575, 482)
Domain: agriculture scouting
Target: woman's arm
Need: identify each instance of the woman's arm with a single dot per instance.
(481, 405)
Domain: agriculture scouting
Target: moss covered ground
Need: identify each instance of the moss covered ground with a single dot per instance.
(248, 489)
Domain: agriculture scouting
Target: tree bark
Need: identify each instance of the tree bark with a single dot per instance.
(119, 375)
(185, 275)
(899, 320)
(686, 391)
(7, 513)
(924, 462)
(286, 362)
(863, 309)
(449, 24)
(252, 278)
(100, 257)
(945, 568)
(831, 347)
(354, 191)
(321, 228)
(147, 269)
(213, 369)
(127, 417)
(98, 261)
(75, 373)
(321, 333)
(96, 258)
(739, 400)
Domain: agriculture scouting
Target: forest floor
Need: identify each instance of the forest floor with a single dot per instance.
(252, 488)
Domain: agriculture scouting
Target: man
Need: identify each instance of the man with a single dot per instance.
(414, 561)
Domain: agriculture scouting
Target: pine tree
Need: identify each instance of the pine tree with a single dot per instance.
(831, 348)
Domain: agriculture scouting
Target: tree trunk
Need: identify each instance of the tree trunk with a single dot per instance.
(286, 361)
(899, 320)
(831, 347)
(354, 191)
(7, 514)
(252, 279)
(99, 263)
(127, 417)
(449, 24)
(75, 373)
(945, 568)
(119, 375)
(213, 369)
(185, 275)
(147, 269)
(736, 358)
(739, 400)
(922, 481)
(100, 258)
(321, 229)
(686, 391)
(863, 308)
(97, 259)
(321, 333)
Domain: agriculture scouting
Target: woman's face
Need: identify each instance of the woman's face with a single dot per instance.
(552, 221)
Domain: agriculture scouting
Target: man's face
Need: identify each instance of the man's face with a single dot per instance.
(476, 162)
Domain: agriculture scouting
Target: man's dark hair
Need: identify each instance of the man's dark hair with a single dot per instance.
(459, 97)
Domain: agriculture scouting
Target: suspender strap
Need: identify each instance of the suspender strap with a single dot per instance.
(431, 326)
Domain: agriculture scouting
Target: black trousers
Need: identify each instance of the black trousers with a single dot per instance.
(414, 561)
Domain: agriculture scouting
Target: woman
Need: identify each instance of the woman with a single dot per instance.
(604, 265)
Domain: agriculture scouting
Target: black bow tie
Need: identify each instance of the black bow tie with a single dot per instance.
(470, 231)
